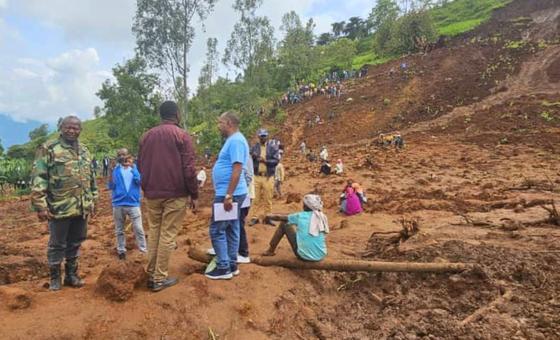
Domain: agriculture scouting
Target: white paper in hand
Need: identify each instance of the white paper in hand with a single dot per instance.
(220, 214)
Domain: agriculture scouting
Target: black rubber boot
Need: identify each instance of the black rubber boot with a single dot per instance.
(71, 277)
(55, 277)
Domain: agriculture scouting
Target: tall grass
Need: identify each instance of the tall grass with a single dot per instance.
(461, 16)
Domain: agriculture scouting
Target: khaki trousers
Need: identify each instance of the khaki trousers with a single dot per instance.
(262, 204)
(165, 217)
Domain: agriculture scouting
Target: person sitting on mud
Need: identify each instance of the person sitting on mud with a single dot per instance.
(398, 141)
(350, 203)
(324, 154)
(339, 167)
(359, 191)
(305, 231)
(311, 156)
(325, 168)
(386, 139)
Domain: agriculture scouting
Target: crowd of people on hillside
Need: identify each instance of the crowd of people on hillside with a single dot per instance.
(329, 86)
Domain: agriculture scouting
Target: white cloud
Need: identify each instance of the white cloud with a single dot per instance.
(100, 20)
(44, 90)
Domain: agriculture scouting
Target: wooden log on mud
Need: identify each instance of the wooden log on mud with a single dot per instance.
(341, 265)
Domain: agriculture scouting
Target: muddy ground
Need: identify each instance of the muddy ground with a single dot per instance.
(477, 170)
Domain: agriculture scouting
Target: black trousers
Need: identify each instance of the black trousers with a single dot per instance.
(243, 244)
(65, 238)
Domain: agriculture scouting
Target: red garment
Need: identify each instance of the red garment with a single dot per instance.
(166, 162)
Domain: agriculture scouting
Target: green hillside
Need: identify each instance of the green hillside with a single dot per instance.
(451, 19)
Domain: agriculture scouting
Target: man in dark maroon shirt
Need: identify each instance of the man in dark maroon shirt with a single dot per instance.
(166, 161)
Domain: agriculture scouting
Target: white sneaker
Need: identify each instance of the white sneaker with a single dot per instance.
(211, 251)
(243, 259)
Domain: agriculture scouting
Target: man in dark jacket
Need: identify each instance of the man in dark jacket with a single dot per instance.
(166, 162)
(266, 155)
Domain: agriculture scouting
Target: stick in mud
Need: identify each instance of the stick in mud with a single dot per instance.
(347, 265)
(486, 309)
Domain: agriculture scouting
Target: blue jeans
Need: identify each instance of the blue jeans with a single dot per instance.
(135, 215)
(225, 235)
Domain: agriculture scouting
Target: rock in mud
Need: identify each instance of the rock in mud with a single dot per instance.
(118, 281)
(15, 298)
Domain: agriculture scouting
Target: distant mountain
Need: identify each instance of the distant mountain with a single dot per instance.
(12, 132)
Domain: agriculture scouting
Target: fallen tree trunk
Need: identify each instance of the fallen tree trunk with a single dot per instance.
(340, 265)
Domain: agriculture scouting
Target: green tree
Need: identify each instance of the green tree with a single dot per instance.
(296, 52)
(338, 28)
(1, 148)
(252, 41)
(39, 133)
(325, 38)
(130, 101)
(21, 151)
(164, 34)
(411, 32)
(384, 12)
(97, 112)
(338, 54)
(210, 69)
(356, 28)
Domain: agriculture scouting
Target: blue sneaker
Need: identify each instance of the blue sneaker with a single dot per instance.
(234, 270)
(219, 274)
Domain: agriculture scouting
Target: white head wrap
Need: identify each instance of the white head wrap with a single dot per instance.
(319, 222)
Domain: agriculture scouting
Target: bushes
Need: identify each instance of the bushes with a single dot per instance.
(411, 32)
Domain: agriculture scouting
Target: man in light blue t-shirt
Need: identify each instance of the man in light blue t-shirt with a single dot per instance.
(230, 187)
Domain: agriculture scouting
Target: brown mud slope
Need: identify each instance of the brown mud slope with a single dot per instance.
(478, 168)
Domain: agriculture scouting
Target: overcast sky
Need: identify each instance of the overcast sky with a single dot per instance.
(54, 54)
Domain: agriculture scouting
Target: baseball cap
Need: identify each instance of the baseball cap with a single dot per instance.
(262, 133)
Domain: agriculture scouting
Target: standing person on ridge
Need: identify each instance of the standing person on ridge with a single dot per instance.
(106, 162)
(279, 177)
(64, 193)
(166, 161)
(201, 177)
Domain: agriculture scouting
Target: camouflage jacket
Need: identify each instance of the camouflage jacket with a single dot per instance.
(63, 180)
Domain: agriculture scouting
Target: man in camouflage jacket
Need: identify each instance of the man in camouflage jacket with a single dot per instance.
(64, 192)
